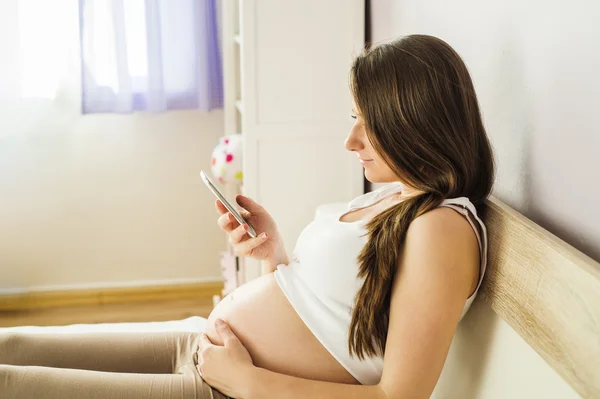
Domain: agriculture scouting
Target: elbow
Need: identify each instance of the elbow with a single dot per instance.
(396, 393)
(382, 393)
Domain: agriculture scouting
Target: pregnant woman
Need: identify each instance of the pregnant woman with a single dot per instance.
(368, 304)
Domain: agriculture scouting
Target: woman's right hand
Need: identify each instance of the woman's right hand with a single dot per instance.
(269, 247)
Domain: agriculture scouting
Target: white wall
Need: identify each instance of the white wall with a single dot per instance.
(535, 68)
(100, 199)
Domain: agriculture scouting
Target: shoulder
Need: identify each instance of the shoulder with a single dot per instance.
(436, 268)
(443, 242)
(441, 225)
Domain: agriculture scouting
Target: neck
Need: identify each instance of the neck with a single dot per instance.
(409, 192)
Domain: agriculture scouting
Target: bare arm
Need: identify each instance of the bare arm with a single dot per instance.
(270, 249)
(265, 384)
(430, 290)
(270, 265)
(437, 270)
(435, 275)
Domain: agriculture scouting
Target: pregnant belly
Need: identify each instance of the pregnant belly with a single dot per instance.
(278, 340)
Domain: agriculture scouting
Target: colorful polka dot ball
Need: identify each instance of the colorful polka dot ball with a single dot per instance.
(226, 162)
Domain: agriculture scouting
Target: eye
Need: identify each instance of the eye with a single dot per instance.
(353, 116)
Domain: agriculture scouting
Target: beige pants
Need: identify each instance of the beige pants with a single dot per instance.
(101, 365)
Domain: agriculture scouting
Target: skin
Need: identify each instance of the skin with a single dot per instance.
(376, 170)
(421, 325)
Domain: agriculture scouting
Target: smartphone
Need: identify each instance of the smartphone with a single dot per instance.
(229, 207)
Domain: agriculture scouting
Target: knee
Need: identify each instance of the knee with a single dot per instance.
(187, 348)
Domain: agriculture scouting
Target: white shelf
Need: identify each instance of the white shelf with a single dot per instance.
(285, 104)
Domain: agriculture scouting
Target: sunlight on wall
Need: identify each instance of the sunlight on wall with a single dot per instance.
(49, 48)
(48, 45)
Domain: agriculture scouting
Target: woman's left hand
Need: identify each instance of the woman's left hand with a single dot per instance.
(226, 368)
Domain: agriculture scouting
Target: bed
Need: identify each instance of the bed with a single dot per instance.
(533, 331)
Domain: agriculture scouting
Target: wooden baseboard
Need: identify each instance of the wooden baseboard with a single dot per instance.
(100, 296)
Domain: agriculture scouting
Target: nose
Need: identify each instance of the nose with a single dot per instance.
(354, 142)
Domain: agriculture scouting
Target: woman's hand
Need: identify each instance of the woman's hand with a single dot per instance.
(269, 248)
(228, 367)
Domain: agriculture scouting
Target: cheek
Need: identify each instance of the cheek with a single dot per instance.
(379, 166)
(377, 159)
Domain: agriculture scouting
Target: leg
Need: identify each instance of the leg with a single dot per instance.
(134, 365)
(155, 353)
(33, 382)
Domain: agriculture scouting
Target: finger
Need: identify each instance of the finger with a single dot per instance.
(220, 207)
(245, 214)
(237, 234)
(204, 342)
(225, 332)
(248, 246)
(227, 222)
(249, 204)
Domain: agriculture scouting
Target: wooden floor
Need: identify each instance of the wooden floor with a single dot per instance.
(111, 313)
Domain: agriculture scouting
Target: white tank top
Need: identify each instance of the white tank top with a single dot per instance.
(322, 280)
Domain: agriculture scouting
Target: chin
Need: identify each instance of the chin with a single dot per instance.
(375, 177)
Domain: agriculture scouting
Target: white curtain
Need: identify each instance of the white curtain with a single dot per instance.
(152, 55)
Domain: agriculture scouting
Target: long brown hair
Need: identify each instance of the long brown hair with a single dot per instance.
(422, 117)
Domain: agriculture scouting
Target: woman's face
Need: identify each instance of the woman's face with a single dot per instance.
(376, 171)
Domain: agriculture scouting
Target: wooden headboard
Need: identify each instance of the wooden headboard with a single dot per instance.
(548, 292)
